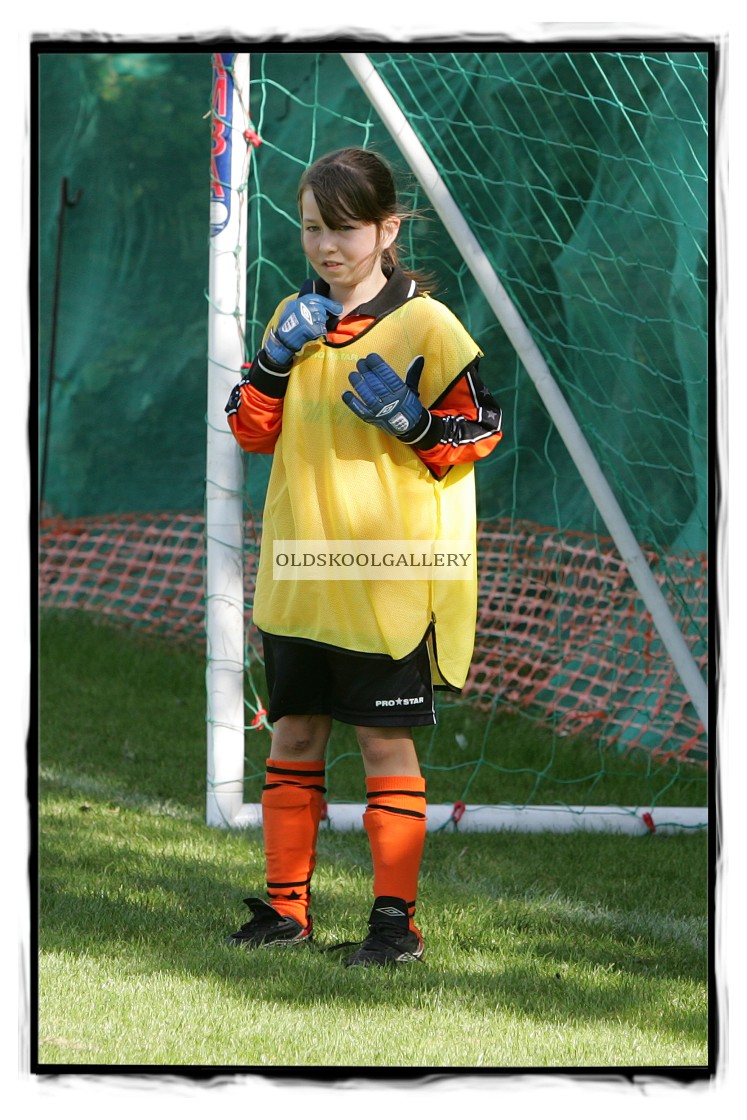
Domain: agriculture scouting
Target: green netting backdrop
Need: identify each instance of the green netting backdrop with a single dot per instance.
(584, 175)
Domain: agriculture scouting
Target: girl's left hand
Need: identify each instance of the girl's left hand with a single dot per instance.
(384, 399)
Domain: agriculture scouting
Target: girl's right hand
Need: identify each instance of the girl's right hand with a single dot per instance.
(302, 320)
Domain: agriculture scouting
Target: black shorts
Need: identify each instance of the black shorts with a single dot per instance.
(362, 689)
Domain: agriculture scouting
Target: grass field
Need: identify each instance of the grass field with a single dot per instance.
(543, 952)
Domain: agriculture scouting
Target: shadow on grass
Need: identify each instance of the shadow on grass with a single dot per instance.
(566, 930)
(160, 895)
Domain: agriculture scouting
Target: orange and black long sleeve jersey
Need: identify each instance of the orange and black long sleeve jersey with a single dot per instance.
(462, 425)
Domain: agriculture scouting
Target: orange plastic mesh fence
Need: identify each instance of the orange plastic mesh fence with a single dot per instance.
(146, 569)
(561, 631)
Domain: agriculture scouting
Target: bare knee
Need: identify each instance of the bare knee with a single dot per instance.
(387, 750)
(300, 738)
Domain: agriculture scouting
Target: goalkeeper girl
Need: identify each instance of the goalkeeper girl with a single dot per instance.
(366, 393)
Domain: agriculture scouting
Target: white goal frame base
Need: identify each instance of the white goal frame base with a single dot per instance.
(347, 817)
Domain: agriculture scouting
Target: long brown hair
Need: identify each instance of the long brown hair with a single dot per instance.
(357, 184)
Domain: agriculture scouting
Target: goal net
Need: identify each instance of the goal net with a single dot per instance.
(584, 178)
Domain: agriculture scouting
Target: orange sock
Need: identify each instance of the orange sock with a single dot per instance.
(395, 822)
(291, 810)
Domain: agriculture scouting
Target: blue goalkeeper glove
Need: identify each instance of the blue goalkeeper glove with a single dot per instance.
(384, 399)
(302, 320)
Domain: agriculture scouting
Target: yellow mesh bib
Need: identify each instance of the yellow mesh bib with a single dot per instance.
(335, 478)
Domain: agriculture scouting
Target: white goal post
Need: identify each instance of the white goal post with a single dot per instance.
(224, 512)
(225, 624)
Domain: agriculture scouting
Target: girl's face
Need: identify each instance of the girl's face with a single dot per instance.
(348, 258)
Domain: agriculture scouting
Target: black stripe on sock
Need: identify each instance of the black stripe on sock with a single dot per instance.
(293, 785)
(298, 773)
(396, 793)
(283, 886)
(399, 812)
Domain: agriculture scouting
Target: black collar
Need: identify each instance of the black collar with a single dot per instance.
(395, 292)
